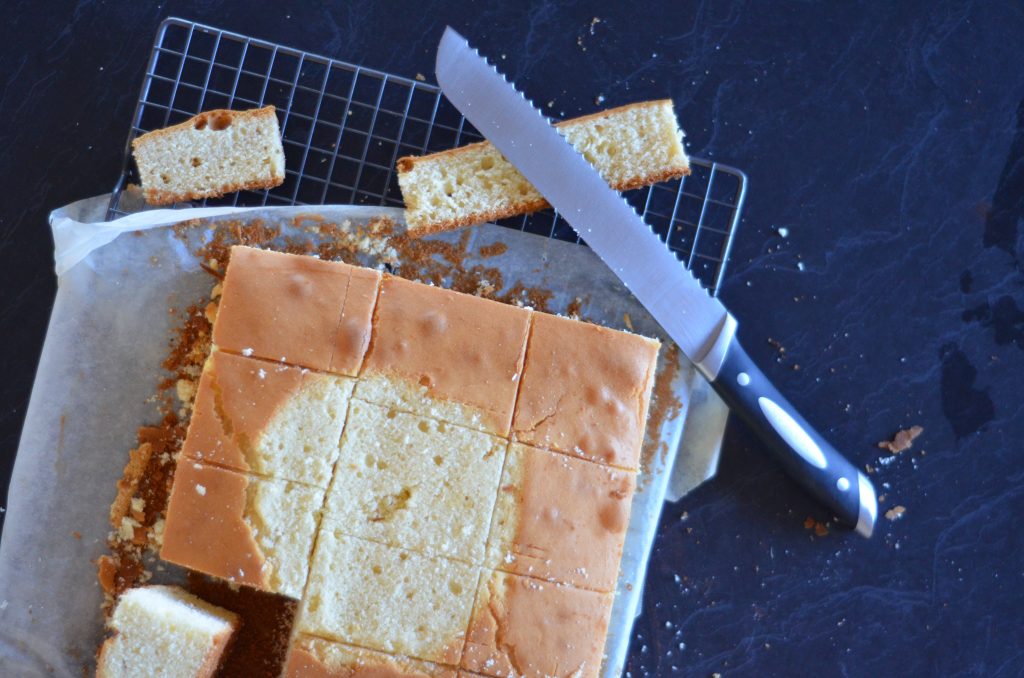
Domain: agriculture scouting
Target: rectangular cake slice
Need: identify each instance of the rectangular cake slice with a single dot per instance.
(387, 599)
(585, 391)
(446, 355)
(631, 146)
(312, 657)
(297, 310)
(241, 528)
(560, 518)
(209, 155)
(164, 632)
(267, 418)
(525, 627)
(415, 483)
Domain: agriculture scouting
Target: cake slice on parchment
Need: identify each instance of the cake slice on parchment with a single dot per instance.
(444, 354)
(209, 155)
(274, 420)
(312, 657)
(631, 146)
(522, 626)
(164, 632)
(415, 483)
(560, 519)
(296, 310)
(592, 405)
(387, 599)
(242, 528)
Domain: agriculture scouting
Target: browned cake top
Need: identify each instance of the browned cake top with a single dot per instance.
(206, 527)
(585, 390)
(297, 310)
(236, 399)
(458, 347)
(525, 627)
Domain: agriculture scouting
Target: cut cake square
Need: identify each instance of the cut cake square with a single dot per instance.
(592, 405)
(241, 528)
(415, 483)
(165, 632)
(296, 309)
(312, 657)
(387, 599)
(268, 419)
(526, 627)
(446, 355)
(560, 519)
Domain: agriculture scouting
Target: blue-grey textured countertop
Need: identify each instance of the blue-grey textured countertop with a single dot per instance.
(885, 140)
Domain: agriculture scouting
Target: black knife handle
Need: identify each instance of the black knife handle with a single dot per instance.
(805, 455)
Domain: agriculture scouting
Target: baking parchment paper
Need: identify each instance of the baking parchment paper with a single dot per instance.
(107, 338)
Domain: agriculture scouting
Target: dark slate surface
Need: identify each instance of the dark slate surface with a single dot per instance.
(887, 140)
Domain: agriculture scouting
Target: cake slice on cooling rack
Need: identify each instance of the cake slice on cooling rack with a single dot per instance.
(210, 155)
(631, 146)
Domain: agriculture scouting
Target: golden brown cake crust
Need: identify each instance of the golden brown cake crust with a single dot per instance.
(236, 400)
(206, 528)
(220, 116)
(295, 309)
(567, 518)
(593, 406)
(457, 347)
(526, 627)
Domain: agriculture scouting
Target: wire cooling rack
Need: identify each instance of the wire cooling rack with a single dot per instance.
(344, 126)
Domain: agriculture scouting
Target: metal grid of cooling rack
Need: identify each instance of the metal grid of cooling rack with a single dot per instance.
(344, 126)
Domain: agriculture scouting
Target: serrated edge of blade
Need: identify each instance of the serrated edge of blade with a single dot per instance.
(453, 35)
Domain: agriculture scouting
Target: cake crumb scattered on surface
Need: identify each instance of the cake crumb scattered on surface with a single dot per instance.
(902, 441)
(820, 529)
(895, 513)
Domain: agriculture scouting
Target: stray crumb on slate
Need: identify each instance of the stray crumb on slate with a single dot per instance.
(820, 529)
(896, 512)
(421, 77)
(903, 440)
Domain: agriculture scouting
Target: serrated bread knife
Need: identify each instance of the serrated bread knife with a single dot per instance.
(697, 322)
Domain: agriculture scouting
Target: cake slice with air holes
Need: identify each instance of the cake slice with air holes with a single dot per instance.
(387, 599)
(296, 309)
(238, 527)
(446, 355)
(585, 391)
(210, 155)
(164, 632)
(267, 418)
(560, 519)
(415, 483)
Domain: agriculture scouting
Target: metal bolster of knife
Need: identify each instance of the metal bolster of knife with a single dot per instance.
(868, 506)
(711, 361)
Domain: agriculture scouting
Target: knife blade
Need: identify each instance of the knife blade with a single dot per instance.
(700, 324)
